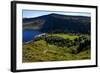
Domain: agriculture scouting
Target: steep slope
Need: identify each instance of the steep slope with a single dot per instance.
(57, 23)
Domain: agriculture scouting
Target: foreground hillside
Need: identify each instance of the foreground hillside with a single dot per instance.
(57, 48)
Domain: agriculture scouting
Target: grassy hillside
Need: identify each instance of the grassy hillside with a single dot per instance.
(49, 50)
(65, 36)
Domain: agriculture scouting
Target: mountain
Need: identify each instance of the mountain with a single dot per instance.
(58, 23)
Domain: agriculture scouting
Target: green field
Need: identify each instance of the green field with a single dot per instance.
(66, 48)
(66, 36)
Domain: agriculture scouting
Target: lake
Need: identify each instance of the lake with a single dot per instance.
(29, 34)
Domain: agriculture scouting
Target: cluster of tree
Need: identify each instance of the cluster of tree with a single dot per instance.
(77, 45)
(83, 44)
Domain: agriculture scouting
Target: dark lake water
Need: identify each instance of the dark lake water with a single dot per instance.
(28, 34)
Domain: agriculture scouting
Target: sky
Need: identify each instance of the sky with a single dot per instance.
(34, 13)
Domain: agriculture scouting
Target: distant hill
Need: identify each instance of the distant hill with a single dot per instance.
(57, 23)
